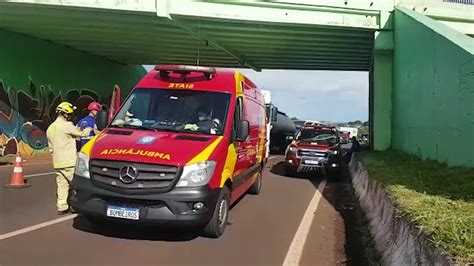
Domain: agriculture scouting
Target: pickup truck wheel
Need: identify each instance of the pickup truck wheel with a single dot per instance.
(257, 185)
(290, 171)
(334, 173)
(216, 226)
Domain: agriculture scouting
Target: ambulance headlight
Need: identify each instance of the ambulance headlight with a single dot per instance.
(197, 174)
(82, 166)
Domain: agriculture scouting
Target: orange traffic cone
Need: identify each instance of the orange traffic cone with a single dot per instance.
(17, 180)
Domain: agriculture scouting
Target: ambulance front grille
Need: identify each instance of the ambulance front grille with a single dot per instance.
(149, 176)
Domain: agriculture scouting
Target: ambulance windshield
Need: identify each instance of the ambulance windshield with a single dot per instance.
(188, 111)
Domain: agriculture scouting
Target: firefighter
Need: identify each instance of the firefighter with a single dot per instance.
(62, 136)
(89, 121)
(205, 120)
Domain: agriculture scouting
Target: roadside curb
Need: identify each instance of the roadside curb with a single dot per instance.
(398, 241)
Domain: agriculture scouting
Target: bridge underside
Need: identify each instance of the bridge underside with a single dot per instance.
(142, 37)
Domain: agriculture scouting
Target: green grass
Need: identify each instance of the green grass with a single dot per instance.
(437, 198)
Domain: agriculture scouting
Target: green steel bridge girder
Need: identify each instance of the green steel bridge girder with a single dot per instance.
(189, 20)
(268, 39)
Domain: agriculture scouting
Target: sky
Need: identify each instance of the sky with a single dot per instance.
(336, 96)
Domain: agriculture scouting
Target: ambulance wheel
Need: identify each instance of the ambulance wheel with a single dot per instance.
(216, 226)
(257, 185)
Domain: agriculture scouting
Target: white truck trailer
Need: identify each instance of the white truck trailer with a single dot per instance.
(267, 96)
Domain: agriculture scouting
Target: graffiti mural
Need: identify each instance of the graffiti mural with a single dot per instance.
(26, 114)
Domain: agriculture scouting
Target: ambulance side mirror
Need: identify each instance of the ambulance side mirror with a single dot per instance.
(243, 129)
(102, 120)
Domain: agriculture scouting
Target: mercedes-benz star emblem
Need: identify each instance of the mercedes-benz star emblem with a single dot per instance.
(128, 174)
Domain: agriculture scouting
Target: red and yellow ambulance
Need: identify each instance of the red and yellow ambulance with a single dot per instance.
(184, 146)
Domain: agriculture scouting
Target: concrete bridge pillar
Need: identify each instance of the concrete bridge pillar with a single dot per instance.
(380, 91)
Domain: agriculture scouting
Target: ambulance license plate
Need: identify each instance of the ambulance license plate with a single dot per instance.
(122, 212)
(311, 162)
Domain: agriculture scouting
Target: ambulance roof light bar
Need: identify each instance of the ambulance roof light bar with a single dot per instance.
(185, 69)
(165, 70)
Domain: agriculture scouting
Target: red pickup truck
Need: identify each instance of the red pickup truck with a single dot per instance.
(314, 148)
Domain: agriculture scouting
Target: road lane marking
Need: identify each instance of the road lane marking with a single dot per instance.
(271, 157)
(293, 256)
(41, 174)
(35, 227)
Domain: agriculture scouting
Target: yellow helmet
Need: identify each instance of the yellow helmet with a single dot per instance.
(65, 107)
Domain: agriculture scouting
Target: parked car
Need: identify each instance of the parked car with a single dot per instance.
(312, 123)
(299, 124)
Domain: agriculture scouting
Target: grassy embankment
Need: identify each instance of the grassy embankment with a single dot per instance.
(437, 198)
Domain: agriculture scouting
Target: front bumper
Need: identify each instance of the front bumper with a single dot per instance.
(306, 164)
(171, 208)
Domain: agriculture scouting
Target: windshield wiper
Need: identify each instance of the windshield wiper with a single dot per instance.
(168, 128)
(199, 130)
(135, 127)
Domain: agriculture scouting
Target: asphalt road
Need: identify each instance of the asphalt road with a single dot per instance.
(261, 228)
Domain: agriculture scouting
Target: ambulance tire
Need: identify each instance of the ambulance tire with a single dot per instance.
(216, 226)
(257, 185)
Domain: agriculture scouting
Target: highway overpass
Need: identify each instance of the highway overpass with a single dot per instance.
(419, 54)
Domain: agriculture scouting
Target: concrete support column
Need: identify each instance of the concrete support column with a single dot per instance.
(381, 92)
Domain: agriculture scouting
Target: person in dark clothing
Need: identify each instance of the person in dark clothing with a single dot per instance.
(89, 121)
(354, 148)
(355, 144)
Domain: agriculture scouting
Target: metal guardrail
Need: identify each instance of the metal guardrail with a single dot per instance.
(467, 2)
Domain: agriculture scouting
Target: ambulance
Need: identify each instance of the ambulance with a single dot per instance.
(186, 144)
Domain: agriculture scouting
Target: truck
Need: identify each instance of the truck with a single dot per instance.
(282, 127)
(185, 145)
(271, 115)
